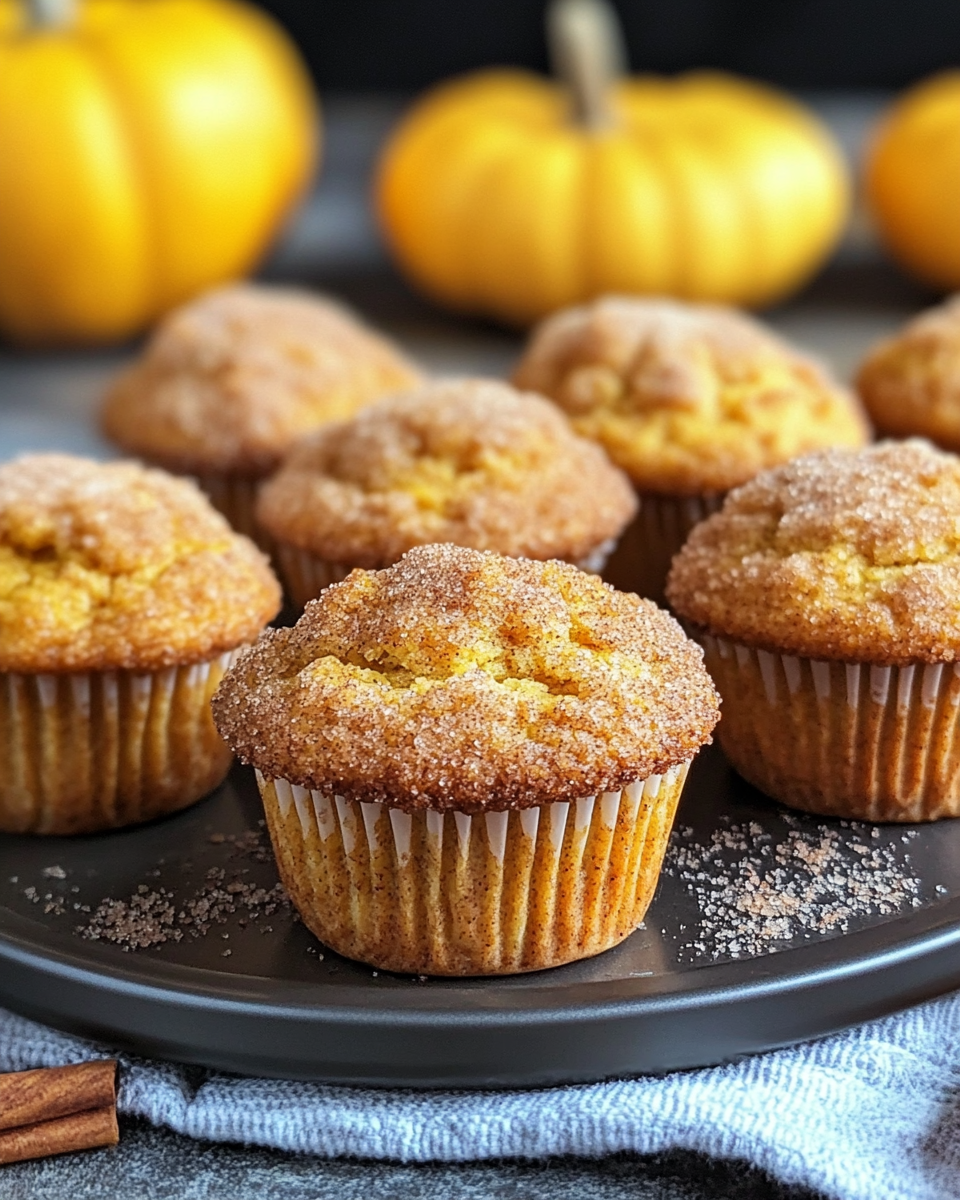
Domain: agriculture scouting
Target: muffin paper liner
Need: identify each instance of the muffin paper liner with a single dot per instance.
(445, 893)
(654, 536)
(236, 497)
(843, 739)
(82, 752)
(305, 575)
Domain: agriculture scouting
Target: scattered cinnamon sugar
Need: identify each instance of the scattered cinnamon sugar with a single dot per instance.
(153, 916)
(757, 894)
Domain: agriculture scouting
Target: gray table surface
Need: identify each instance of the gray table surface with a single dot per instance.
(47, 401)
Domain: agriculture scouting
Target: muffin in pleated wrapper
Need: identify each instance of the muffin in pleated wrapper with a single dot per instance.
(468, 461)
(228, 382)
(123, 599)
(470, 764)
(827, 597)
(690, 400)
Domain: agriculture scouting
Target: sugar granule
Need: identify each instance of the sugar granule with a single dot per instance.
(755, 893)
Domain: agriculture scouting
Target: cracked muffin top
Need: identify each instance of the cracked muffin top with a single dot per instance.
(107, 566)
(686, 398)
(230, 381)
(841, 555)
(468, 461)
(460, 679)
(910, 383)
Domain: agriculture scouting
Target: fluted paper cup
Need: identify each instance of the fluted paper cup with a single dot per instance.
(235, 496)
(642, 558)
(89, 751)
(444, 893)
(857, 740)
(305, 575)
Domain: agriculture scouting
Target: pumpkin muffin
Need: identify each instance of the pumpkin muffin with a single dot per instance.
(470, 763)
(910, 383)
(690, 400)
(827, 596)
(468, 461)
(230, 381)
(123, 598)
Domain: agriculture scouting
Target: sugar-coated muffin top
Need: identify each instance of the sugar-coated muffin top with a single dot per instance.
(460, 679)
(108, 566)
(841, 555)
(461, 460)
(910, 383)
(230, 381)
(686, 398)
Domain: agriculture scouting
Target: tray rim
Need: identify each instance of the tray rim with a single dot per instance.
(199, 987)
(504, 1048)
(538, 1029)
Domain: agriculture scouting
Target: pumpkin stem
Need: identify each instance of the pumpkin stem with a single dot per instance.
(587, 52)
(46, 14)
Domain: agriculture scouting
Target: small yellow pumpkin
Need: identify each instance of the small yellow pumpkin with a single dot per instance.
(505, 194)
(912, 179)
(149, 150)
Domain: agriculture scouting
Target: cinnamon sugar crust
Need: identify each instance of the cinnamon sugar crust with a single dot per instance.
(468, 461)
(910, 383)
(111, 566)
(853, 556)
(458, 679)
(230, 381)
(686, 398)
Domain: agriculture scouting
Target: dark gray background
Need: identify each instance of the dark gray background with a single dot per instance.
(406, 44)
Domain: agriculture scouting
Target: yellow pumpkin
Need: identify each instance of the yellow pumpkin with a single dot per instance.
(913, 179)
(149, 150)
(496, 199)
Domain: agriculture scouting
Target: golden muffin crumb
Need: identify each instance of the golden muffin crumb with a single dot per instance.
(839, 555)
(459, 679)
(108, 566)
(686, 398)
(462, 460)
(230, 381)
(910, 383)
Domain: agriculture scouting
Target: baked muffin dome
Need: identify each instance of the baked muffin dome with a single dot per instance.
(468, 461)
(464, 680)
(230, 381)
(910, 383)
(686, 398)
(853, 556)
(109, 566)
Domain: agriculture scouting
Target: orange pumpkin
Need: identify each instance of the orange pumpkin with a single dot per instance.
(150, 149)
(913, 179)
(498, 195)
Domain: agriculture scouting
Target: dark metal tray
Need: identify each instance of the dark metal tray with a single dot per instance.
(796, 927)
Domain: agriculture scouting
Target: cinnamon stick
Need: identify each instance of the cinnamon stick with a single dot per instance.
(31, 1097)
(78, 1131)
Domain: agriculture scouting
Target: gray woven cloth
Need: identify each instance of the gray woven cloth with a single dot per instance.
(870, 1114)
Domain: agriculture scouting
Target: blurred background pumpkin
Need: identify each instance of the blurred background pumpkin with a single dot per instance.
(505, 194)
(149, 150)
(912, 178)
